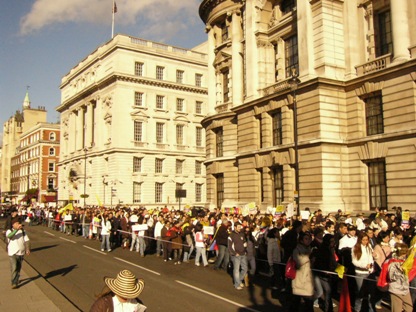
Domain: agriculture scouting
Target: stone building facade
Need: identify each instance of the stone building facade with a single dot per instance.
(131, 131)
(311, 101)
(13, 129)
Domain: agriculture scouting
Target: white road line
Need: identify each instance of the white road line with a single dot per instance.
(137, 266)
(51, 234)
(68, 240)
(93, 249)
(218, 297)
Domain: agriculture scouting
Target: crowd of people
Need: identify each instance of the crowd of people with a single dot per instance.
(258, 244)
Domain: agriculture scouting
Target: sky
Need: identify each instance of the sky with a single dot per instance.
(41, 40)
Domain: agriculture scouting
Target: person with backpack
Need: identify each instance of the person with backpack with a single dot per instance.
(398, 282)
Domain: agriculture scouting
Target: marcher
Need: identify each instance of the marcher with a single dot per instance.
(399, 283)
(200, 245)
(120, 294)
(237, 246)
(303, 284)
(18, 246)
(105, 233)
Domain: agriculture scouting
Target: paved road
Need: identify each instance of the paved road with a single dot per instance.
(76, 268)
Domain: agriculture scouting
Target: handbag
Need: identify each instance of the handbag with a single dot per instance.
(290, 270)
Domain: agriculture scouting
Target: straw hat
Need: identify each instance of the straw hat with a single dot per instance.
(125, 285)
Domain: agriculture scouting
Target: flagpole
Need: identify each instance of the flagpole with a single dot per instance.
(112, 25)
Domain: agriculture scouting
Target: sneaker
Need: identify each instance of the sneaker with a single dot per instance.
(197, 264)
(109, 250)
(165, 260)
(179, 262)
(14, 286)
(316, 305)
(378, 307)
(102, 249)
(242, 285)
(334, 305)
(239, 288)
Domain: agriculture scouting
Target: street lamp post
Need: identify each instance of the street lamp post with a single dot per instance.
(85, 174)
(294, 82)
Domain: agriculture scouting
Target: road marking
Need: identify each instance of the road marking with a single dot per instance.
(51, 234)
(218, 297)
(137, 266)
(93, 249)
(68, 240)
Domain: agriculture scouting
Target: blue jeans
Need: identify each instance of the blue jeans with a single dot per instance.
(187, 254)
(238, 275)
(223, 256)
(158, 245)
(105, 240)
(359, 279)
(15, 267)
(134, 241)
(142, 245)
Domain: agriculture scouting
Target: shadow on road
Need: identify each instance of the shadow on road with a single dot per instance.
(62, 272)
(42, 248)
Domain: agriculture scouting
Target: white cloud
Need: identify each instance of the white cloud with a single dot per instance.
(158, 16)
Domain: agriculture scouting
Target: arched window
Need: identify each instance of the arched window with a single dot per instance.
(52, 136)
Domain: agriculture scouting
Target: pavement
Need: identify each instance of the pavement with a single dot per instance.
(34, 292)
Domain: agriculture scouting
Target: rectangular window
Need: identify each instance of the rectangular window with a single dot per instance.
(159, 132)
(179, 166)
(158, 192)
(138, 69)
(291, 56)
(198, 192)
(377, 184)
(160, 101)
(225, 87)
(179, 105)
(198, 80)
(383, 33)
(160, 70)
(137, 164)
(198, 107)
(374, 114)
(51, 167)
(179, 134)
(261, 184)
(179, 76)
(219, 137)
(198, 167)
(137, 192)
(198, 137)
(138, 131)
(158, 165)
(220, 189)
(51, 184)
(138, 99)
(277, 128)
(278, 186)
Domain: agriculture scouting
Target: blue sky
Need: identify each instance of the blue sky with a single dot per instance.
(41, 40)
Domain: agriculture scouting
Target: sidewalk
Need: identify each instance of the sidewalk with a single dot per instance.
(34, 292)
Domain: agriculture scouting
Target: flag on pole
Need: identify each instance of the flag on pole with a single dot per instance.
(115, 7)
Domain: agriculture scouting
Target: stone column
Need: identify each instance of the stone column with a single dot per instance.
(237, 58)
(211, 69)
(80, 129)
(400, 29)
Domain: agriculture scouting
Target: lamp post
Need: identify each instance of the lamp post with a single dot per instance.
(85, 174)
(294, 83)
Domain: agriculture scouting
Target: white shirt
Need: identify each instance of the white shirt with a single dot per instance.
(158, 229)
(347, 242)
(130, 306)
(16, 244)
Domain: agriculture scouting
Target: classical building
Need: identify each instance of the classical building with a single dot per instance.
(131, 125)
(34, 170)
(13, 129)
(311, 101)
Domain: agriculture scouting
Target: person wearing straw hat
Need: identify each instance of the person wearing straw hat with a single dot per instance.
(120, 294)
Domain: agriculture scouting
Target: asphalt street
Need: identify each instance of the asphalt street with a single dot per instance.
(76, 267)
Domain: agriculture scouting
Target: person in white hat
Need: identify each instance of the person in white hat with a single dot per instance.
(120, 294)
